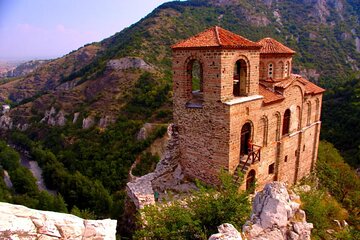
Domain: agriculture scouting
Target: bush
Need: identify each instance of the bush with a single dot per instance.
(196, 217)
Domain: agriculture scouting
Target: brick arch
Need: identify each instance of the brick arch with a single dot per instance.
(262, 71)
(317, 110)
(244, 86)
(278, 126)
(188, 67)
(244, 137)
(308, 113)
(280, 72)
(298, 117)
(296, 86)
(287, 70)
(263, 129)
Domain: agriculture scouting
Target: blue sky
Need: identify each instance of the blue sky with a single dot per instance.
(39, 29)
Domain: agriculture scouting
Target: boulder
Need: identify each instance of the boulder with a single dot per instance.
(226, 231)
(19, 222)
(277, 215)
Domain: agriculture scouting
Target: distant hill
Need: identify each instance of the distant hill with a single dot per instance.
(20, 69)
(324, 33)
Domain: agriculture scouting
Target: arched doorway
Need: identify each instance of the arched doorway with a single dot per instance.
(245, 139)
(250, 180)
(239, 84)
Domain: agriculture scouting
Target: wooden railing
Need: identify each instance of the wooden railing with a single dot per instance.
(253, 156)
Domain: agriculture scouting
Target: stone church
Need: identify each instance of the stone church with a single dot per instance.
(238, 107)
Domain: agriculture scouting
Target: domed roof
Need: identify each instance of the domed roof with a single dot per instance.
(270, 46)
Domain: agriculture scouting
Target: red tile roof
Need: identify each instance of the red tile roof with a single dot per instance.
(270, 45)
(310, 88)
(216, 37)
(269, 95)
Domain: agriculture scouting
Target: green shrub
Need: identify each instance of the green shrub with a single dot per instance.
(196, 217)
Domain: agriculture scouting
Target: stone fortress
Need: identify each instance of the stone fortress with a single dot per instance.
(238, 107)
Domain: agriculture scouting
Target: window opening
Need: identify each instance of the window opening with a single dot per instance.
(286, 123)
(270, 70)
(272, 168)
(239, 79)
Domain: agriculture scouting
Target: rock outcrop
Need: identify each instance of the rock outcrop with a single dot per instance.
(6, 122)
(54, 118)
(19, 222)
(88, 122)
(277, 215)
(128, 63)
(226, 231)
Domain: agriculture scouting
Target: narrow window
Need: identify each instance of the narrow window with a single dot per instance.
(286, 70)
(286, 158)
(239, 80)
(280, 72)
(278, 126)
(308, 119)
(270, 70)
(272, 168)
(195, 70)
(317, 109)
(286, 123)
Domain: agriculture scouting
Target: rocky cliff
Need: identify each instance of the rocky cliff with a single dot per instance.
(19, 222)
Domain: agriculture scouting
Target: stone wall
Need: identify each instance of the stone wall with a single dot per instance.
(19, 222)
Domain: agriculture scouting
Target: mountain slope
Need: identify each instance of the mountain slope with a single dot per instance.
(83, 86)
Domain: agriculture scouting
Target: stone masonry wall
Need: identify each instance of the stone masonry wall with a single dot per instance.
(210, 124)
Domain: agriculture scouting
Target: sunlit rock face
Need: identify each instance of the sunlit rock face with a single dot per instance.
(19, 222)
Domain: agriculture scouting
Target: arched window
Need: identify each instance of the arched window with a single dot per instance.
(271, 70)
(262, 71)
(263, 131)
(239, 81)
(286, 70)
(317, 109)
(195, 72)
(278, 125)
(286, 122)
(298, 117)
(308, 119)
(280, 72)
(245, 139)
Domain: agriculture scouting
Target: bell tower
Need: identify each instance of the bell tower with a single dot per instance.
(212, 71)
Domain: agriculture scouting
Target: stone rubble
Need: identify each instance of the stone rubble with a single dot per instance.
(19, 222)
